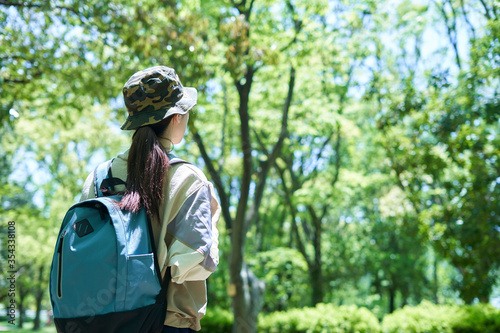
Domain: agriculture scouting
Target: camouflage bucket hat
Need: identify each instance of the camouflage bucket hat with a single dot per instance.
(154, 94)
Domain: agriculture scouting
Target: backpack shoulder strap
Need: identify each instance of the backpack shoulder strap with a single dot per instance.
(104, 182)
(100, 172)
(175, 160)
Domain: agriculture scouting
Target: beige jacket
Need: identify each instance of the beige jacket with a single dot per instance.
(189, 237)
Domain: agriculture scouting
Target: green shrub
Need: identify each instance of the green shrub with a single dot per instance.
(324, 318)
(479, 318)
(431, 318)
(217, 320)
(426, 317)
(327, 318)
(285, 274)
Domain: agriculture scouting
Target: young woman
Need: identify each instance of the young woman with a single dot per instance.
(179, 199)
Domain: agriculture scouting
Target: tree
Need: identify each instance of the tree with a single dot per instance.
(317, 121)
(450, 173)
(247, 56)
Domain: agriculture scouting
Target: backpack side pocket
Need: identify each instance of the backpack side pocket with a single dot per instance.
(142, 282)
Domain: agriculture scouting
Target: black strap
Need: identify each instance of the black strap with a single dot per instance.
(108, 185)
(162, 295)
(104, 184)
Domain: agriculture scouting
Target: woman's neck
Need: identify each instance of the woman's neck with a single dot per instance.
(166, 143)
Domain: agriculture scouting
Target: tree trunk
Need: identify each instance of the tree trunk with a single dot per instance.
(249, 289)
(484, 298)
(317, 284)
(247, 302)
(245, 283)
(38, 298)
(392, 297)
(246, 290)
(435, 285)
(22, 295)
(317, 267)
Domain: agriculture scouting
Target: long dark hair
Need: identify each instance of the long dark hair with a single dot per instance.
(147, 166)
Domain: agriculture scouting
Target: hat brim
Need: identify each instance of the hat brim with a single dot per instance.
(186, 103)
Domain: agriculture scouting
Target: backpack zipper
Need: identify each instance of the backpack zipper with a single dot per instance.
(59, 266)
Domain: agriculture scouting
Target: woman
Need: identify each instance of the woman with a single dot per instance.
(179, 200)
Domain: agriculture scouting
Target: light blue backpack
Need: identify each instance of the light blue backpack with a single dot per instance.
(105, 276)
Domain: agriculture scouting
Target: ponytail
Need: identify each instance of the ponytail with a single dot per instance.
(146, 170)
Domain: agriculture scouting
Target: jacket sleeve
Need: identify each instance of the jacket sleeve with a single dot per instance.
(193, 252)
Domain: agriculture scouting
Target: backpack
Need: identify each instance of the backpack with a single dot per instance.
(105, 276)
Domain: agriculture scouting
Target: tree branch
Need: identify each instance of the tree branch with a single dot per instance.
(266, 166)
(284, 120)
(323, 146)
(20, 4)
(297, 26)
(337, 156)
(307, 231)
(317, 230)
(12, 56)
(486, 10)
(36, 5)
(223, 138)
(296, 183)
(241, 7)
(224, 197)
(263, 148)
(288, 198)
(397, 170)
(452, 31)
(16, 81)
(249, 10)
(473, 31)
(22, 81)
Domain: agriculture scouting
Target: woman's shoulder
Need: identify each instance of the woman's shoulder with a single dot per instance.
(183, 180)
(188, 171)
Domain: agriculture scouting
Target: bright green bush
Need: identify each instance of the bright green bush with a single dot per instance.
(327, 318)
(426, 317)
(431, 318)
(217, 320)
(479, 318)
(285, 273)
(324, 318)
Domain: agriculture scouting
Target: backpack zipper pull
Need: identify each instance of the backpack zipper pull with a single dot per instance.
(59, 248)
